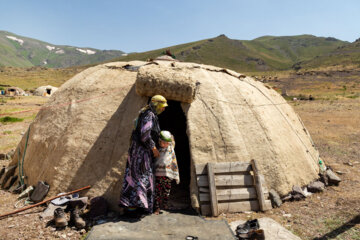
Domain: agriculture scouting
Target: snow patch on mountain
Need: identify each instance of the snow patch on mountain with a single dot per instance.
(86, 51)
(16, 39)
(50, 47)
(59, 51)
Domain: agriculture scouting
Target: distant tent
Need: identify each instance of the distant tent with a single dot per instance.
(45, 91)
(81, 135)
(15, 91)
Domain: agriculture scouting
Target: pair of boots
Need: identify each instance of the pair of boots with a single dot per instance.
(75, 219)
(250, 230)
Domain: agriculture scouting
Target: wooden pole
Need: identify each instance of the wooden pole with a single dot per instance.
(47, 200)
(212, 188)
(258, 186)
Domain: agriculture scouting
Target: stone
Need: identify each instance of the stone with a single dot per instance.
(2, 156)
(316, 187)
(275, 198)
(297, 193)
(333, 178)
(287, 198)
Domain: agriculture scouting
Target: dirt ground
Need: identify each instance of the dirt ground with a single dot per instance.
(334, 125)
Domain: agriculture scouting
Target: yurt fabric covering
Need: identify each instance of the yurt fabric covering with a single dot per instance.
(81, 136)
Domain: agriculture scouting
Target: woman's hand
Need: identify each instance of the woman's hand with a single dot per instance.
(155, 152)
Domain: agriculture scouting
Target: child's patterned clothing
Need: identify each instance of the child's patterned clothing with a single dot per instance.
(162, 192)
(166, 164)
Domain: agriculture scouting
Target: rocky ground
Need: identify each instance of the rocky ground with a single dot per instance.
(334, 214)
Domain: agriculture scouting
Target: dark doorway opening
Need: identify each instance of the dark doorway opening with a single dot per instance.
(48, 91)
(173, 119)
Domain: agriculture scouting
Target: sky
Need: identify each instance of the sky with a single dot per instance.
(143, 25)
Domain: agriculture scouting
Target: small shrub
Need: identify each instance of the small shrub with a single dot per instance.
(7, 132)
(10, 119)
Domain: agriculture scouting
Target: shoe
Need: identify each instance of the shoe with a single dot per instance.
(246, 230)
(60, 218)
(257, 235)
(76, 220)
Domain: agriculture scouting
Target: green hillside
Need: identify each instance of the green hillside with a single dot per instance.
(19, 51)
(343, 56)
(261, 54)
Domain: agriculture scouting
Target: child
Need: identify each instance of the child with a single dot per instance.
(166, 170)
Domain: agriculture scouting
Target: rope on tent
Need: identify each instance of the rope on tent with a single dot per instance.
(21, 161)
(285, 120)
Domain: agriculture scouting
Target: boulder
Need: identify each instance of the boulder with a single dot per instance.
(333, 178)
(316, 187)
(275, 198)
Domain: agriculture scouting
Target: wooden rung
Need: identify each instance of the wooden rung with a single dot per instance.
(230, 194)
(252, 205)
(236, 194)
(229, 167)
(224, 167)
(234, 180)
(204, 190)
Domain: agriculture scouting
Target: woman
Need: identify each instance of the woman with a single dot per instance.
(138, 186)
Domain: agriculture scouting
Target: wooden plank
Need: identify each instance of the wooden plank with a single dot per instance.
(205, 209)
(231, 180)
(204, 189)
(258, 185)
(204, 197)
(224, 167)
(201, 169)
(236, 194)
(228, 167)
(202, 181)
(252, 205)
(212, 188)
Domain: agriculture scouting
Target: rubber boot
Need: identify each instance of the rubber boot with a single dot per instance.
(60, 218)
(76, 219)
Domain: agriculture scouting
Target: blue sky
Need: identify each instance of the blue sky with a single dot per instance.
(142, 25)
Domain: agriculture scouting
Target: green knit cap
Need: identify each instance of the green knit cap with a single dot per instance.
(165, 136)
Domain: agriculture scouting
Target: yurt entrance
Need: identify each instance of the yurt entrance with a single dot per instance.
(173, 119)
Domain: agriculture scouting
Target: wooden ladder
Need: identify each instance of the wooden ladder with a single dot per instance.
(231, 187)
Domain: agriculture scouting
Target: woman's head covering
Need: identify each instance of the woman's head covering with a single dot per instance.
(165, 136)
(158, 102)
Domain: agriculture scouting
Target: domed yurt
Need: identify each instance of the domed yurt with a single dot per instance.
(81, 136)
(45, 91)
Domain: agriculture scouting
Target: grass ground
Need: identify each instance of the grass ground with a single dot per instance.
(333, 122)
(31, 78)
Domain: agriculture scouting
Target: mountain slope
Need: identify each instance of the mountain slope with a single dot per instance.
(348, 55)
(19, 51)
(264, 53)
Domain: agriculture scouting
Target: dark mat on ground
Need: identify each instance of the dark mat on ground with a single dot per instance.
(165, 226)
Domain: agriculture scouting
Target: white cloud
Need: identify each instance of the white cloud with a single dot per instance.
(16, 39)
